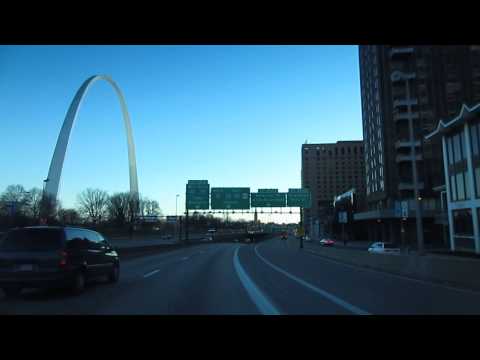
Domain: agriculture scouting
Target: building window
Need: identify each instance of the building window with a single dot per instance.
(453, 188)
(460, 187)
(450, 150)
(456, 148)
(474, 137)
(467, 186)
(477, 181)
(462, 222)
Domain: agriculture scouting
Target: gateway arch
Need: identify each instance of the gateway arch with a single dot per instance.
(56, 165)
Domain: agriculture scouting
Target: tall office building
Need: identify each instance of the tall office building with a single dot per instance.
(329, 170)
(408, 89)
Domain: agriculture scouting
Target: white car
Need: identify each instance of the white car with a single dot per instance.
(383, 248)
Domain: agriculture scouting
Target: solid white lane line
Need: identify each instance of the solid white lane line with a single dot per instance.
(263, 304)
(151, 273)
(336, 300)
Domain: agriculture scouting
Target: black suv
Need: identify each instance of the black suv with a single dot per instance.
(49, 256)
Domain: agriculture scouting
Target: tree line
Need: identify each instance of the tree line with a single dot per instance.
(21, 207)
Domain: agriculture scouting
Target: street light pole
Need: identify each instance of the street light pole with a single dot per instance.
(418, 208)
(176, 217)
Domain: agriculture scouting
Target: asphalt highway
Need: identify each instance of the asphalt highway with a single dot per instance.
(273, 277)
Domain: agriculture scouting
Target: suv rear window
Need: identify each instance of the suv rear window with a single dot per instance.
(32, 240)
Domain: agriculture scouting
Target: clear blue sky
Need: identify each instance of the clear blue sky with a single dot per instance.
(235, 115)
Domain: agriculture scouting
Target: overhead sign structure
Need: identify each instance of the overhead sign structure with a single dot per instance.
(237, 198)
(268, 199)
(299, 198)
(197, 195)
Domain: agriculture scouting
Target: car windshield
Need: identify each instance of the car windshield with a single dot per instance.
(27, 240)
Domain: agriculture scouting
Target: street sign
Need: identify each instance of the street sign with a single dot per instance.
(197, 195)
(342, 217)
(171, 219)
(231, 198)
(299, 198)
(404, 209)
(268, 199)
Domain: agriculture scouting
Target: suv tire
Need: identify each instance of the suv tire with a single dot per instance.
(114, 274)
(78, 285)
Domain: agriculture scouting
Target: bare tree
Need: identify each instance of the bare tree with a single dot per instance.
(118, 208)
(93, 204)
(152, 208)
(68, 216)
(33, 202)
(17, 195)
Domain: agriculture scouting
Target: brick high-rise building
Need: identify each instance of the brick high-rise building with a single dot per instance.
(403, 86)
(329, 170)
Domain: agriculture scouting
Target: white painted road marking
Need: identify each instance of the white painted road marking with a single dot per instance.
(184, 258)
(151, 273)
(259, 299)
(326, 294)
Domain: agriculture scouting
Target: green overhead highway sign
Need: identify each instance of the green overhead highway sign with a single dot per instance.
(299, 198)
(268, 190)
(268, 199)
(230, 198)
(197, 195)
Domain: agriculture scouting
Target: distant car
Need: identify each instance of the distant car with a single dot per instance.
(54, 256)
(383, 248)
(208, 238)
(327, 242)
(284, 236)
(307, 238)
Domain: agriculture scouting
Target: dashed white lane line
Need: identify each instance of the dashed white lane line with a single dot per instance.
(150, 273)
(336, 300)
(185, 258)
(261, 301)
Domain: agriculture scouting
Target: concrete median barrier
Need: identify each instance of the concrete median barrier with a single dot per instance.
(459, 272)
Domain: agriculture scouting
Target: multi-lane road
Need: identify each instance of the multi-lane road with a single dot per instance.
(272, 277)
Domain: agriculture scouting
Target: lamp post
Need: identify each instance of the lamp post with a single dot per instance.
(417, 197)
(176, 220)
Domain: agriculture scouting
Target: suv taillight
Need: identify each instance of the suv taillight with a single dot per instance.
(63, 258)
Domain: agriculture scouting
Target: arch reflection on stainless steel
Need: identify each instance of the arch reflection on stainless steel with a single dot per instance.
(56, 165)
